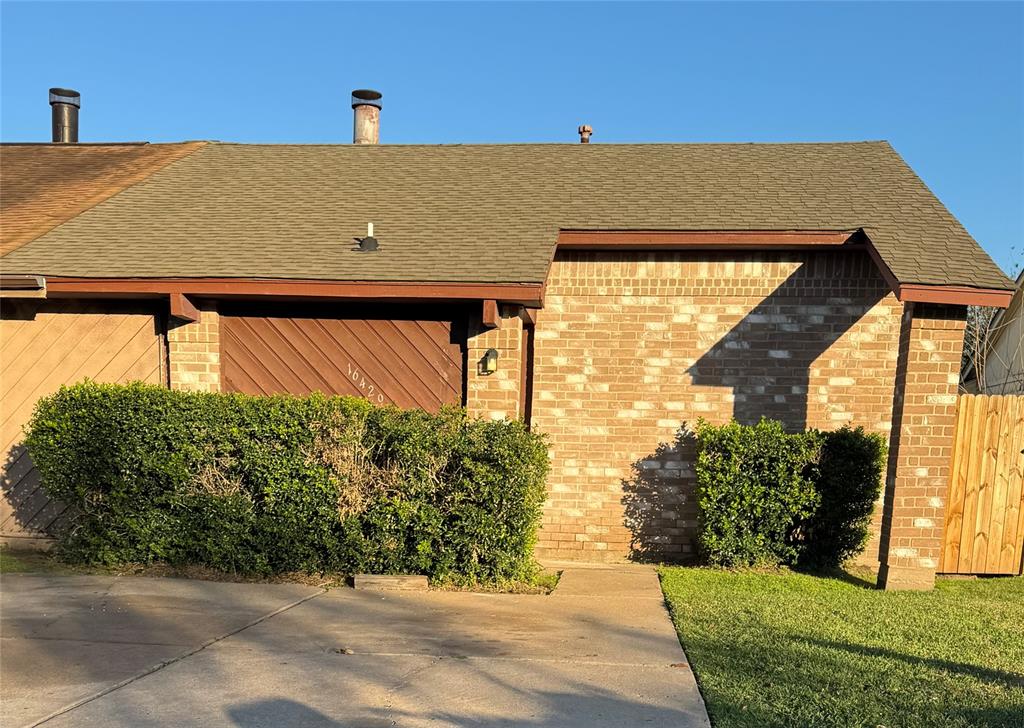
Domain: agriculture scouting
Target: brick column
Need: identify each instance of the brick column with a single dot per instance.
(495, 396)
(924, 417)
(193, 351)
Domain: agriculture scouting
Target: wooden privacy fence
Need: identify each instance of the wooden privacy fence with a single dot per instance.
(985, 505)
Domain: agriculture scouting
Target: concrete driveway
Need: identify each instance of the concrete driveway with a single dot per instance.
(129, 651)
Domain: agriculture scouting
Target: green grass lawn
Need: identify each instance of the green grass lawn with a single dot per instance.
(29, 562)
(787, 649)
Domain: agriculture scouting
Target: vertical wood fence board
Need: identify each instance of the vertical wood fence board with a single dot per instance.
(972, 405)
(1000, 487)
(1010, 558)
(986, 471)
(955, 501)
(984, 531)
(971, 487)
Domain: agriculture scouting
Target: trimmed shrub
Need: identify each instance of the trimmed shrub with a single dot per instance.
(848, 481)
(284, 483)
(754, 484)
(766, 497)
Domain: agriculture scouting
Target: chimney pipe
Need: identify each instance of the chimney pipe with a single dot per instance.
(366, 106)
(64, 105)
(585, 131)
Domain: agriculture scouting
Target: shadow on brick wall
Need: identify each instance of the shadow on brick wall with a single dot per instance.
(766, 358)
(658, 500)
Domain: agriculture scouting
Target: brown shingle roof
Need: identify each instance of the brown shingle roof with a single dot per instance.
(491, 213)
(44, 185)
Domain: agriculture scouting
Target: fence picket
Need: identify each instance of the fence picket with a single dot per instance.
(984, 530)
(950, 558)
(1010, 555)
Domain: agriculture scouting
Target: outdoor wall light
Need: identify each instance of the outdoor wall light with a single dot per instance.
(488, 364)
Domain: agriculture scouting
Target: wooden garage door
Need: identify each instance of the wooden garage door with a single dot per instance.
(42, 346)
(371, 351)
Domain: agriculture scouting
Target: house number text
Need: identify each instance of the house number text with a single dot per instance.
(369, 390)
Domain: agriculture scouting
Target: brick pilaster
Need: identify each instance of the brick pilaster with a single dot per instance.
(495, 396)
(924, 417)
(193, 352)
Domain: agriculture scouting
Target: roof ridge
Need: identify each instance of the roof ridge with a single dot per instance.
(58, 145)
(76, 145)
(575, 145)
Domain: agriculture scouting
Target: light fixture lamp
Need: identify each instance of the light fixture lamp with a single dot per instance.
(488, 363)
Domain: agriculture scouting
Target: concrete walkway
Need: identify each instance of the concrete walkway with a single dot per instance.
(599, 651)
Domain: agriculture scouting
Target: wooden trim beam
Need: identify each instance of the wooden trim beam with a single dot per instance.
(528, 294)
(491, 316)
(528, 315)
(182, 308)
(884, 268)
(954, 295)
(526, 375)
(22, 286)
(681, 239)
(524, 294)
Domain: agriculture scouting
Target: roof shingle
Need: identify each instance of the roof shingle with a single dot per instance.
(490, 213)
(44, 185)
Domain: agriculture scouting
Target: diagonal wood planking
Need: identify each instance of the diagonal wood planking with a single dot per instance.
(409, 363)
(44, 345)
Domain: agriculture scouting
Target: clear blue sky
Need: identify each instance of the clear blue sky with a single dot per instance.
(943, 82)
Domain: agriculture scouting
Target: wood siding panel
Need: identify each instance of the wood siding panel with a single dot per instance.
(372, 352)
(984, 531)
(44, 345)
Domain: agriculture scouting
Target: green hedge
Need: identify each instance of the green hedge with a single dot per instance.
(753, 484)
(283, 483)
(767, 497)
(848, 479)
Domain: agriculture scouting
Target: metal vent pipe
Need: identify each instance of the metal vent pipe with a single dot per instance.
(64, 105)
(366, 106)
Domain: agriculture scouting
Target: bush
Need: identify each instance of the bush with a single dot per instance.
(766, 497)
(849, 481)
(754, 483)
(284, 483)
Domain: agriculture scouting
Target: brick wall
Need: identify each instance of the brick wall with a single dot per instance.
(631, 346)
(924, 407)
(495, 396)
(193, 351)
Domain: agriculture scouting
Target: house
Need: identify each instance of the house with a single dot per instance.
(996, 365)
(607, 294)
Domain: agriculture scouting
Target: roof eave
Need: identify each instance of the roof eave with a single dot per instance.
(954, 295)
(703, 239)
(526, 294)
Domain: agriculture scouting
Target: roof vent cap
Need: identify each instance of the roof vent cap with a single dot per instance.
(65, 96)
(367, 97)
(368, 244)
